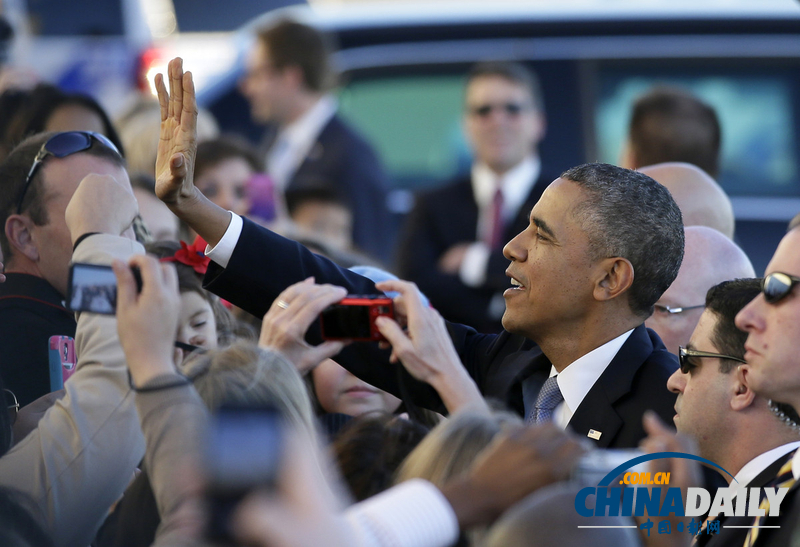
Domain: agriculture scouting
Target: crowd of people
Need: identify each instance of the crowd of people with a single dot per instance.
(539, 320)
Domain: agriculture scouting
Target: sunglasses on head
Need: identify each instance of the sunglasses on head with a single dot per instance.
(684, 354)
(512, 109)
(62, 145)
(777, 286)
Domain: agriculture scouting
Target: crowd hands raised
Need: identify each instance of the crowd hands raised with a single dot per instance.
(150, 379)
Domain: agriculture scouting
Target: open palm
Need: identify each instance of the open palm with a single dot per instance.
(177, 145)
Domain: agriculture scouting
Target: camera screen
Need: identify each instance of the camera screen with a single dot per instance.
(93, 288)
(244, 448)
(346, 322)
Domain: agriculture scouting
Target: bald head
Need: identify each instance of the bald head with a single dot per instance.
(702, 201)
(709, 258)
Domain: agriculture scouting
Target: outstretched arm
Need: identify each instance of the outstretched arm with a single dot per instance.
(177, 149)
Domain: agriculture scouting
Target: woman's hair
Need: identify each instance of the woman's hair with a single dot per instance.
(371, 447)
(452, 446)
(244, 374)
(190, 281)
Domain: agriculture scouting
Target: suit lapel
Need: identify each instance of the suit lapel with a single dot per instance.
(597, 410)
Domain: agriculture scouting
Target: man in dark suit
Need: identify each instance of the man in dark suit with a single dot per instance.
(733, 426)
(602, 245)
(452, 243)
(287, 80)
(37, 249)
(772, 323)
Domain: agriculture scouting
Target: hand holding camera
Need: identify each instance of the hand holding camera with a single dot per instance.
(147, 320)
(288, 319)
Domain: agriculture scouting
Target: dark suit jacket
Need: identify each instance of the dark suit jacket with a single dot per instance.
(737, 536)
(342, 159)
(30, 313)
(264, 263)
(446, 217)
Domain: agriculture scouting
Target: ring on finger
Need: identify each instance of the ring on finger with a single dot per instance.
(282, 304)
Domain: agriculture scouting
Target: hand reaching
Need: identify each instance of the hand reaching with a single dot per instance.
(177, 145)
(287, 321)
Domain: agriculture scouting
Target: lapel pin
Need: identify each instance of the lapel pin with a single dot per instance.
(594, 434)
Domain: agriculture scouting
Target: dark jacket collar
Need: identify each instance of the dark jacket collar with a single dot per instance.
(30, 287)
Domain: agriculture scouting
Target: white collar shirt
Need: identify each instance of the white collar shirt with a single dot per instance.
(295, 141)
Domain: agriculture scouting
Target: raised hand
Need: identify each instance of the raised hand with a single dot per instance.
(177, 145)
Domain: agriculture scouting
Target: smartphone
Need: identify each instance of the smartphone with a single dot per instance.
(243, 453)
(62, 360)
(354, 318)
(93, 288)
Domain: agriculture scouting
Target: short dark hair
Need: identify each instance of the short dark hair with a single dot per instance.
(317, 192)
(211, 153)
(670, 124)
(290, 43)
(629, 215)
(13, 172)
(513, 72)
(725, 300)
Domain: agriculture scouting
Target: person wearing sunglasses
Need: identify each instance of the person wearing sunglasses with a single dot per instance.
(708, 258)
(452, 243)
(733, 427)
(39, 178)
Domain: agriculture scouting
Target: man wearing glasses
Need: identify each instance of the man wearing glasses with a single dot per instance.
(708, 258)
(772, 323)
(735, 428)
(37, 181)
(452, 245)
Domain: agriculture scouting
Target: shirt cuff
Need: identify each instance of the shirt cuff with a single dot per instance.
(223, 250)
(412, 514)
(473, 267)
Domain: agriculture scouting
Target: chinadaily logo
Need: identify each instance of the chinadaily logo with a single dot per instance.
(628, 492)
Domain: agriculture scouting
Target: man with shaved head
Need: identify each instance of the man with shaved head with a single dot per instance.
(709, 258)
(702, 201)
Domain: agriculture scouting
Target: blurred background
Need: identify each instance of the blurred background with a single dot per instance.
(403, 66)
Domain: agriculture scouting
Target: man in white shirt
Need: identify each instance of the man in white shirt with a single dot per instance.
(734, 427)
(602, 245)
(452, 244)
(287, 83)
(772, 322)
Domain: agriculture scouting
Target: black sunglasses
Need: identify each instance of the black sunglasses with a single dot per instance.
(777, 286)
(684, 354)
(512, 109)
(62, 145)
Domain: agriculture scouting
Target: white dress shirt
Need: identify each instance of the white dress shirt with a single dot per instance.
(295, 141)
(751, 469)
(515, 186)
(577, 379)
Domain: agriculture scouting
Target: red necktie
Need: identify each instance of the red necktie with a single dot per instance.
(496, 235)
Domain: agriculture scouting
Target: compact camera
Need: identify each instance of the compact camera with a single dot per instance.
(93, 288)
(354, 318)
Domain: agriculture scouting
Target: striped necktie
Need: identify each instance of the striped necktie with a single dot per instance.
(546, 402)
(785, 480)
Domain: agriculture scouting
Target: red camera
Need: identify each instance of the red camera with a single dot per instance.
(354, 318)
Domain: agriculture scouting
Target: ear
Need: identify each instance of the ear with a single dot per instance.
(293, 75)
(615, 276)
(741, 395)
(19, 231)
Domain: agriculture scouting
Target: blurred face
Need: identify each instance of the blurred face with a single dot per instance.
(703, 393)
(226, 184)
(339, 391)
(61, 177)
(196, 323)
(501, 123)
(157, 216)
(551, 267)
(267, 88)
(327, 221)
(72, 117)
(675, 329)
(773, 361)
